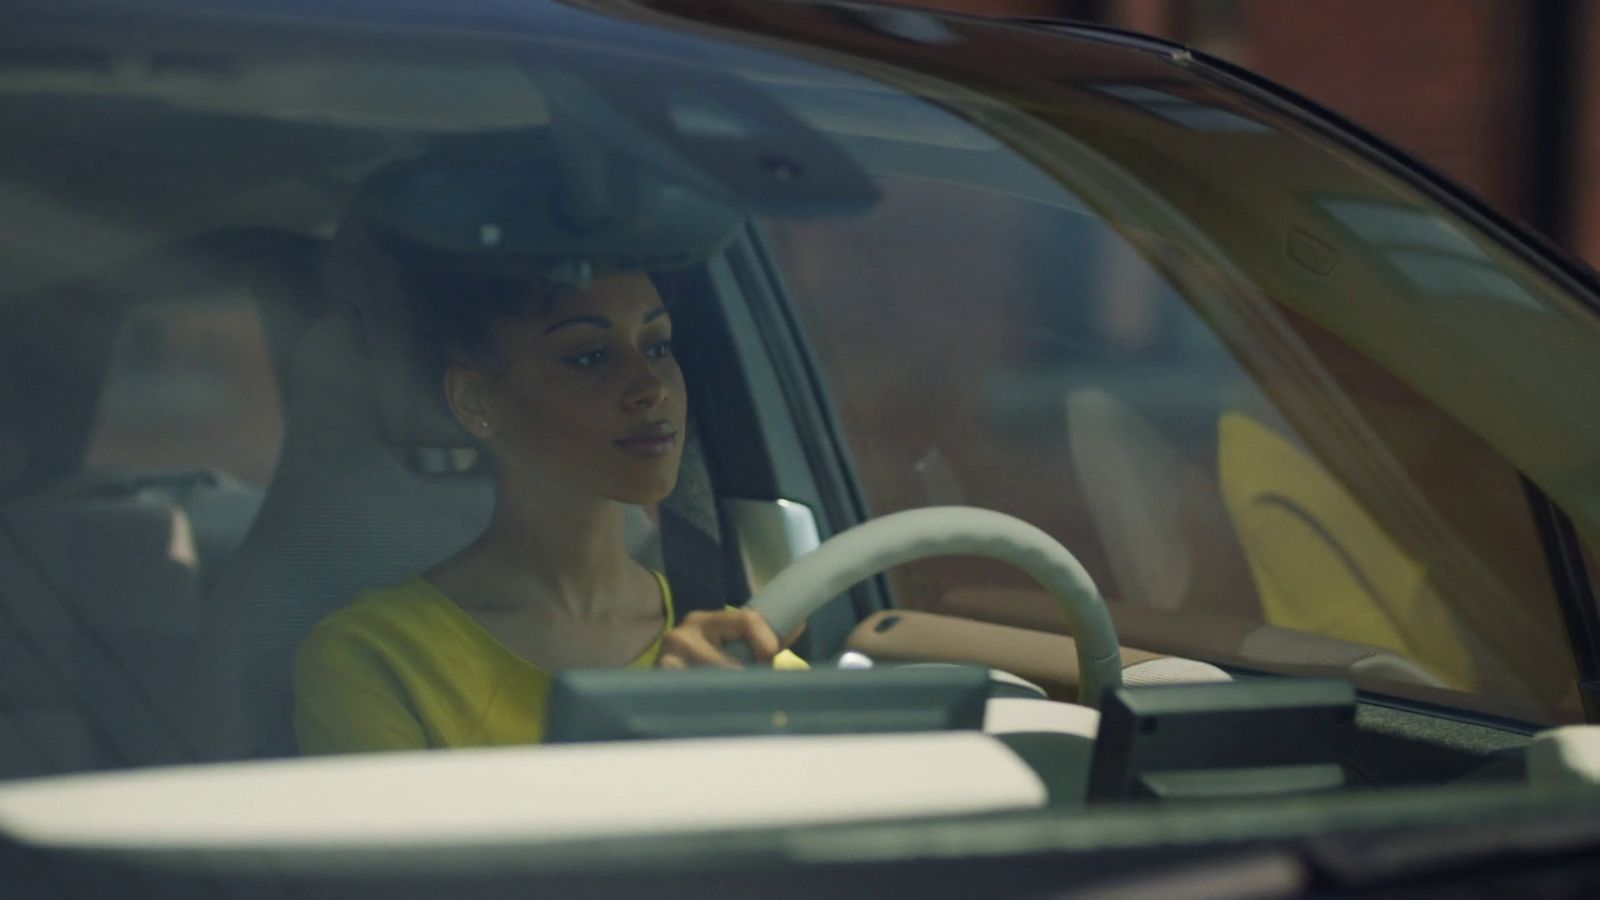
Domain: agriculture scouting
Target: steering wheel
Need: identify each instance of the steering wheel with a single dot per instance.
(861, 552)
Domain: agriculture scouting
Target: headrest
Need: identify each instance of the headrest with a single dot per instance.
(364, 275)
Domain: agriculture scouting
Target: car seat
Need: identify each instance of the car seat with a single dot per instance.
(374, 484)
(101, 607)
(348, 507)
(1132, 481)
(99, 632)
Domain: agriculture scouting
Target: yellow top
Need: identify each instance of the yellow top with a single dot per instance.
(404, 667)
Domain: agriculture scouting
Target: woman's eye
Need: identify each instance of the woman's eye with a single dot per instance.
(660, 350)
(588, 360)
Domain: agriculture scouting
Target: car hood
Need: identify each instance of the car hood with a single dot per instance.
(524, 794)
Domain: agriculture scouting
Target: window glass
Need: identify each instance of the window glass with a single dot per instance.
(1261, 494)
(190, 386)
(1268, 396)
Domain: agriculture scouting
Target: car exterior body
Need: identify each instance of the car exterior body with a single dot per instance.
(1300, 407)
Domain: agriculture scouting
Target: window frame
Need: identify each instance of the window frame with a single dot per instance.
(1574, 591)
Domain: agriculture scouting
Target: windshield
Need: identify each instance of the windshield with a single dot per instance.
(1249, 406)
(1292, 415)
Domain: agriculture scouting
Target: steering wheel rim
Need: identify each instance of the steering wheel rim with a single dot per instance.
(883, 543)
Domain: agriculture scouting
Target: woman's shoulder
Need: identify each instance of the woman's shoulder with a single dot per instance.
(408, 609)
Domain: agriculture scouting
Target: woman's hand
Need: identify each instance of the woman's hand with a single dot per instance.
(699, 640)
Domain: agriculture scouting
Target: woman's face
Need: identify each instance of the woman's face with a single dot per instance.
(588, 396)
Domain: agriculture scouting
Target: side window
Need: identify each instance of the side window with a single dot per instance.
(1290, 507)
(190, 386)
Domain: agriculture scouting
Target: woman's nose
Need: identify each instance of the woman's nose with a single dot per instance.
(647, 389)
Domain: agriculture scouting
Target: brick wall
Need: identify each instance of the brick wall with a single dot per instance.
(1443, 79)
(1449, 81)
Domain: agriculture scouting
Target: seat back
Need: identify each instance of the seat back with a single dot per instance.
(346, 510)
(99, 632)
(1132, 480)
(370, 489)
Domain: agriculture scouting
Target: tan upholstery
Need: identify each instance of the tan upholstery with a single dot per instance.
(1049, 660)
(1236, 640)
(1132, 478)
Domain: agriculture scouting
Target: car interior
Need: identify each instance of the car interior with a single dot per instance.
(214, 429)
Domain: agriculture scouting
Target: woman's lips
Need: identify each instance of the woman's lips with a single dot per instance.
(653, 443)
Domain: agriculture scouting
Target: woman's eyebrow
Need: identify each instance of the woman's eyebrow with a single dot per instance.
(603, 321)
(598, 321)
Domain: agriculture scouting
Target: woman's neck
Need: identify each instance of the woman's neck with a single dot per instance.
(561, 555)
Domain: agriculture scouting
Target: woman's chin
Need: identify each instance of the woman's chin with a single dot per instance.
(646, 491)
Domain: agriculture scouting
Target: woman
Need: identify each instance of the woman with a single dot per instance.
(574, 393)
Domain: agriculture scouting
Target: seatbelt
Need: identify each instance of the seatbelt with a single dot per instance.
(693, 563)
(691, 550)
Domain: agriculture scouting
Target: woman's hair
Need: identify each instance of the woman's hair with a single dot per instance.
(459, 306)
